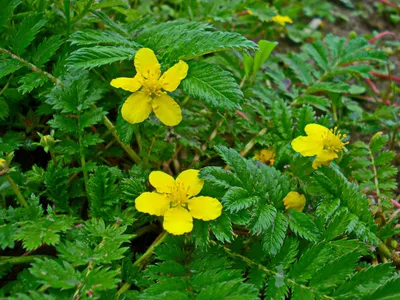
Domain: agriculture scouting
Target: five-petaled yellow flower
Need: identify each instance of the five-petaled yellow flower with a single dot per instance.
(282, 20)
(153, 86)
(320, 142)
(294, 200)
(175, 201)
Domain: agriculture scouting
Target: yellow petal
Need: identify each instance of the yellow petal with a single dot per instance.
(177, 221)
(191, 181)
(167, 110)
(316, 130)
(127, 84)
(136, 108)
(307, 146)
(324, 158)
(146, 64)
(294, 200)
(161, 181)
(152, 203)
(205, 208)
(171, 79)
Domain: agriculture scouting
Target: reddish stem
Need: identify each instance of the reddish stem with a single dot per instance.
(384, 76)
(242, 114)
(381, 35)
(372, 86)
(397, 204)
(387, 3)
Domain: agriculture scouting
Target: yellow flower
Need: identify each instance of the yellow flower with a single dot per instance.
(320, 142)
(175, 201)
(154, 87)
(295, 201)
(282, 20)
(266, 156)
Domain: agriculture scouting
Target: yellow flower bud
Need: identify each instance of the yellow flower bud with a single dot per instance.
(3, 164)
(266, 156)
(294, 200)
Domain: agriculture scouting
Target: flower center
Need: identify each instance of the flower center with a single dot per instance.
(333, 140)
(151, 85)
(179, 194)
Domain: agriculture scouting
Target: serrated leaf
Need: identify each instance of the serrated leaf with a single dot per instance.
(319, 102)
(222, 228)
(274, 236)
(237, 198)
(46, 50)
(384, 157)
(26, 32)
(300, 68)
(31, 81)
(91, 57)
(213, 85)
(328, 87)
(282, 118)
(124, 129)
(318, 53)
(377, 142)
(303, 225)
(7, 8)
(101, 37)
(54, 274)
(304, 115)
(262, 219)
(7, 232)
(8, 66)
(4, 109)
(92, 117)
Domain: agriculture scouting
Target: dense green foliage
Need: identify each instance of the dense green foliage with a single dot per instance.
(71, 167)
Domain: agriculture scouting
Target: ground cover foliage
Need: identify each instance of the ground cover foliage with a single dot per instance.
(282, 222)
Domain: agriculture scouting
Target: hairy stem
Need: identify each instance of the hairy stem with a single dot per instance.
(17, 192)
(18, 260)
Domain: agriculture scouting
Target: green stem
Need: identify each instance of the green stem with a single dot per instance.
(251, 144)
(83, 161)
(31, 66)
(18, 260)
(17, 192)
(132, 154)
(376, 182)
(141, 259)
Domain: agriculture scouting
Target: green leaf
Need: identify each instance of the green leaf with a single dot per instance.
(328, 87)
(377, 142)
(124, 129)
(4, 109)
(26, 32)
(300, 68)
(31, 81)
(104, 193)
(92, 117)
(7, 8)
(101, 37)
(7, 232)
(389, 291)
(54, 274)
(101, 279)
(282, 118)
(274, 236)
(237, 198)
(222, 228)
(214, 86)
(46, 50)
(303, 225)
(365, 282)
(335, 272)
(91, 57)
(263, 219)
(46, 230)
(319, 102)
(262, 54)
(304, 115)
(384, 157)
(8, 66)
(318, 53)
